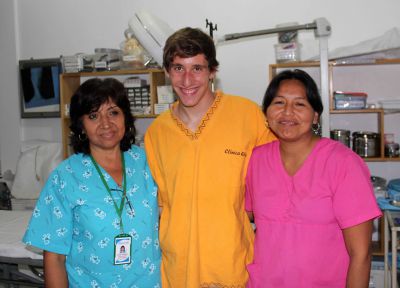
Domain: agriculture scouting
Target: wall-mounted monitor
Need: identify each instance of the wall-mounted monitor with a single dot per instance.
(40, 87)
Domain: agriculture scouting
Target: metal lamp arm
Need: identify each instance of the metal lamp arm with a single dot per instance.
(321, 28)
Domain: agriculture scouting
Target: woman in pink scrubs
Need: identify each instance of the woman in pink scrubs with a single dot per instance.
(311, 197)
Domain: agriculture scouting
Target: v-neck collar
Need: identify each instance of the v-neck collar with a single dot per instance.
(112, 183)
(203, 123)
(305, 163)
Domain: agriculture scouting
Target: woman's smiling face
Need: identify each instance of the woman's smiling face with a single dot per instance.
(290, 115)
(105, 128)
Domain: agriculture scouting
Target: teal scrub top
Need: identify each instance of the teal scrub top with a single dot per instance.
(76, 217)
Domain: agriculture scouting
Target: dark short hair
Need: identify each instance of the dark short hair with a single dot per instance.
(313, 96)
(88, 98)
(189, 42)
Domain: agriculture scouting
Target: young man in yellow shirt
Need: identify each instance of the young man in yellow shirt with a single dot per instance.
(198, 153)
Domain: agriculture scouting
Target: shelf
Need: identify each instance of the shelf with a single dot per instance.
(381, 159)
(355, 111)
(367, 63)
(146, 116)
(136, 116)
(112, 72)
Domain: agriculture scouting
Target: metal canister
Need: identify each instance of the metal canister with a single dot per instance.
(392, 150)
(366, 144)
(341, 135)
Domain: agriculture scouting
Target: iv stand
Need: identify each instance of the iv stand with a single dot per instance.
(322, 30)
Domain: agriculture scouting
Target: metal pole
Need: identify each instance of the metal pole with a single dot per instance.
(386, 250)
(234, 36)
(324, 70)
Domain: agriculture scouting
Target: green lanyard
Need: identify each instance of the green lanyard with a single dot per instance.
(121, 206)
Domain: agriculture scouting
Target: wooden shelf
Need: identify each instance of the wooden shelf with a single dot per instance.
(355, 111)
(382, 159)
(146, 116)
(134, 115)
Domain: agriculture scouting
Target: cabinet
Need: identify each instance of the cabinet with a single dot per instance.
(380, 80)
(69, 83)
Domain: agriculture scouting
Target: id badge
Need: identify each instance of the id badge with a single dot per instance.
(122, 249)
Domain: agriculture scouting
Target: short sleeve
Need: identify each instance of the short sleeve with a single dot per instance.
(50, 227)
(354, 201)
(249, 187)
(152, 161)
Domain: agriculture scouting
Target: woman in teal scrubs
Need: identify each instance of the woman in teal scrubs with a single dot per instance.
(98, 200)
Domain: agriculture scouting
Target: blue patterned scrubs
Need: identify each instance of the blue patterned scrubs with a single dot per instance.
(75, 216)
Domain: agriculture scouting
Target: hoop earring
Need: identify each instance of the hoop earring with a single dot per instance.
(129, 134)
(82, 135)
(129, 131)
(316, 128)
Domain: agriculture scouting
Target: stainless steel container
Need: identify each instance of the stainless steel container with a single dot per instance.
(392, 150)
(341, 135)
(366, 144)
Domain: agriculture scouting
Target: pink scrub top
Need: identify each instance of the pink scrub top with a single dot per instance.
(299, 219)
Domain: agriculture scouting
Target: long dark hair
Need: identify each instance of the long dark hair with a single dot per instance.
(88, 98)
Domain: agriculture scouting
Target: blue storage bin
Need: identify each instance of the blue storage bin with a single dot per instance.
(394, 184)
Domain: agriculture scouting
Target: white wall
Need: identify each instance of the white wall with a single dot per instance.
(9, 101)
(49, 28)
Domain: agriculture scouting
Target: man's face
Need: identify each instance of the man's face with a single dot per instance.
(190, 79)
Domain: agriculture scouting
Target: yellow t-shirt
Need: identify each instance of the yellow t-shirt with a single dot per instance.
(205, 235)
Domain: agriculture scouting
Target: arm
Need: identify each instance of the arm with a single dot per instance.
(155, 169)
(358, 242)
(265, 135)
(55, 274)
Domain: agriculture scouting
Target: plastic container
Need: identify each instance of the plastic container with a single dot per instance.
(287, 52)
(349, 100)
(107, 59)
(394, 191)
(390, 104)
(133, 53)
(394, 184)
(389, 138)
